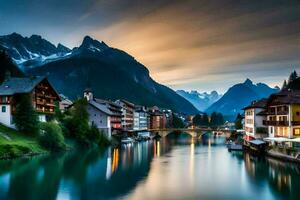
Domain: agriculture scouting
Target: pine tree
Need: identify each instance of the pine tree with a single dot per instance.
(25, 118)
(216, 119)
(177, 122)
(205, 120)
(284, 86)
(293, 77)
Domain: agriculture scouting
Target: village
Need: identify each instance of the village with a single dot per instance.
(270, 125)
(119, 117)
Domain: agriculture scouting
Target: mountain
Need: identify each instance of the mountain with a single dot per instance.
(111, 73)
(200, 100)
(31, 51)
(8, 68)
(239, 96)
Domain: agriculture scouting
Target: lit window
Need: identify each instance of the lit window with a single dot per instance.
(297, 131)
(3, 108)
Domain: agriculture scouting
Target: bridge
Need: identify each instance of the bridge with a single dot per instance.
(194, 132)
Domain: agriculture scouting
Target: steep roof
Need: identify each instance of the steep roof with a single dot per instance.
(100, 107)
(102, 101)
(19, 85)
(285, 97)
(126, 102)
(257, 104)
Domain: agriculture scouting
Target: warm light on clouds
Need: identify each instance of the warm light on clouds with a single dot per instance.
(194, 44)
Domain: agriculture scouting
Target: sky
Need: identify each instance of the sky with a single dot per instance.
(199, 45)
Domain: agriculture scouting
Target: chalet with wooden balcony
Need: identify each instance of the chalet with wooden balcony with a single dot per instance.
(41, 91)
(283, 114)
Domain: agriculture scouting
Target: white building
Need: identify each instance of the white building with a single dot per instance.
(254, 127)
(99, 114)
(140, 121)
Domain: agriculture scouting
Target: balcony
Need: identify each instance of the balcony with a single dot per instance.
(296, 123)
(275, 123)
(282, 112)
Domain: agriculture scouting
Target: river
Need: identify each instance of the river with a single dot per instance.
(176, 167)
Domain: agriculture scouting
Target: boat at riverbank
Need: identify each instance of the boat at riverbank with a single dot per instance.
(235, 147)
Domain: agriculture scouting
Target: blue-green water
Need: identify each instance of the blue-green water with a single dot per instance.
(172, 168)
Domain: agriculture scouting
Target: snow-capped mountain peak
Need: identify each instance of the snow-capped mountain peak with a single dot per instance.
(200, 100)
(30, 51)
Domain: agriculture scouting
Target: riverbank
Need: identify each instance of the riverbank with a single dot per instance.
(282, 157)
(14, 144)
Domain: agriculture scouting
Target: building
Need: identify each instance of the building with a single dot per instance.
(140, 121)
(99, 114)
(41, 91)
(127, 114)
(283, 114)
(167, 118)
(116, 116)
(157, 119)
(254, 127)
(65, 103)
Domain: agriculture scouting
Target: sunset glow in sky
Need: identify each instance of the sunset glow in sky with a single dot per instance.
(195, 44)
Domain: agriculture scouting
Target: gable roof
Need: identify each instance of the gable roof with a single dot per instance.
(100, 107)
(285, 97)
(125, 102)
(23, 85)
(19, 85)
(257, 104)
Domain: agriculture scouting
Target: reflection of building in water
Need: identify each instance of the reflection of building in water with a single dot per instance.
(278, 175)
(108, 165)
(250, 165)
(115, 160)
(156, 149)
(112, 162)
(282, 177)
(192, 161)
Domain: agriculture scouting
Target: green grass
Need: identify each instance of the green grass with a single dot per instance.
(19, 145)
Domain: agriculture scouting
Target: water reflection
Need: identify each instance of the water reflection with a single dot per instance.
(175, 167)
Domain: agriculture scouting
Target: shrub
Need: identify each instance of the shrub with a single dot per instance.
(96, 136)
(51, 136)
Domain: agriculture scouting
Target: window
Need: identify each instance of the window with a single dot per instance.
(298, 113)
(296, 131)
(3, 109)
(272, 130)
(3, 99)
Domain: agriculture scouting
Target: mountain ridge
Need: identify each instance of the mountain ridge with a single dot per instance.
(200, 100)
(112, 74)
(240, 95)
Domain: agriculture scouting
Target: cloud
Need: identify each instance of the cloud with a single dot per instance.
(194, 44)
